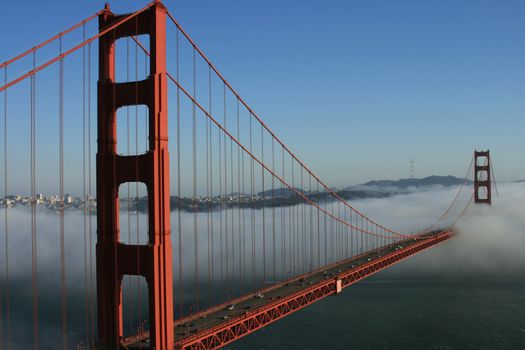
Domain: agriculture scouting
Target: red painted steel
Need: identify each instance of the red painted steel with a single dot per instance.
(482, 178)
(274, 136)
(154, 260)
(266, 167)
(50, 40)
(115, 259)
(75, 48)
(275, 175)
(237, 327)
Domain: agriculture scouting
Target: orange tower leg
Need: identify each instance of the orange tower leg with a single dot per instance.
(115, 259)
(482, 178)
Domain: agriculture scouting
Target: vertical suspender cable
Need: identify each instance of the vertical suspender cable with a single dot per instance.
(494, 177)
(222, 208)
(302, 241)
(61, 177)
(351, 236)
(91, 283)
(232, 209)
(212, 290)
(179, 194)
(292, 222)
(208, 196)
(283, 222)
(84, 193)
(33, 210)
(363, 235)
(360, 218)
(226, 190)
(195, 232)
(332, 235)
(337, 235)
(342, 230)
(311, 225)
(345, 235)
(296, 227)
(252, 211)
(358, 234)
(239, 193)
(6, 226)
(325, 194)
(243, 281)
(318, 230)
(377, 239)
(290, 226)
(367, 236)
(274, 277)
(263, 211)
(339, 232)
(303, 210)
(295, 214)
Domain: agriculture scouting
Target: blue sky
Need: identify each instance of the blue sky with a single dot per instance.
(355, 88)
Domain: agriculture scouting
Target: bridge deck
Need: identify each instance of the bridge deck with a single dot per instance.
(218, 326)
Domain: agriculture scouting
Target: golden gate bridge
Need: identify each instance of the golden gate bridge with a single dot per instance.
(266, 236)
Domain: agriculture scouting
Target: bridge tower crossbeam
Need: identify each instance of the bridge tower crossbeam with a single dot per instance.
(482, 178)
(114, 258)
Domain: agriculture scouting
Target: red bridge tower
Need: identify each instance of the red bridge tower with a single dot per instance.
(482, 180)
(115, 259)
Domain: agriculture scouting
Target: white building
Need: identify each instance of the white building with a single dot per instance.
(68, 199)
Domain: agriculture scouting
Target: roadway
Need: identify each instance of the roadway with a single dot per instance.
(248, 304)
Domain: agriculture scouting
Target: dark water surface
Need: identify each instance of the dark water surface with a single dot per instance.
(468, 293)
(397, 309)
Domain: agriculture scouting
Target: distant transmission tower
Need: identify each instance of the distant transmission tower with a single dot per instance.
(412, 164)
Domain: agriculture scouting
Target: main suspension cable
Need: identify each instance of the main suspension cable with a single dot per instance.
(50, 40)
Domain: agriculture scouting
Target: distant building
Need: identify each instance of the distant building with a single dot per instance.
(68, 199)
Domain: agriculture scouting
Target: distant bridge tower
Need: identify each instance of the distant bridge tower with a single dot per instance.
(114, 258)
(482, 180)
